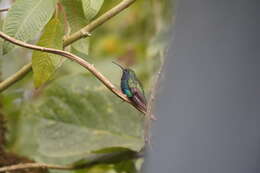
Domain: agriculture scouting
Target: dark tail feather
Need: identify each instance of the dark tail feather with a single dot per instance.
(139, 103)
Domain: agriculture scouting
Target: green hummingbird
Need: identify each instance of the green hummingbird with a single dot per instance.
(132, 87)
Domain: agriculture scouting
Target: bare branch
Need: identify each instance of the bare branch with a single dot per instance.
(99, 21)
(16, 77)
(82, 62)
(84, 32)
(149, 115)
(33, 165)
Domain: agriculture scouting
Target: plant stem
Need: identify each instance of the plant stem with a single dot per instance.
(82, 62)
(84, 32)
(33, 165)
(99, 21)
(16, 77)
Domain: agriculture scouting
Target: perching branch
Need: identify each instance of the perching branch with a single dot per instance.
(82, 62)
(103, 159)
(84, 32)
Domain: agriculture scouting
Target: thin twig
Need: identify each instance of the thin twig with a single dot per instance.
(84, 32)
(102, 159)
(33, 165)
(99, 21)
(154, 91)
(16, 77)
(4, 10)
(149, 113)
(82, 62)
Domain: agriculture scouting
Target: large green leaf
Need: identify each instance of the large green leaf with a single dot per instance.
(77, 116)
(26, 18)
(74, 14)
(127, 166)
(45, 64)
(76, 19)
(91, 7)
(79, 13)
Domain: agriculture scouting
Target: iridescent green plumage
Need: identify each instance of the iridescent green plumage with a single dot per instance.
(132, 87)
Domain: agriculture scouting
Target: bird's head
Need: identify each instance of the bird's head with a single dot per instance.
(127, 72)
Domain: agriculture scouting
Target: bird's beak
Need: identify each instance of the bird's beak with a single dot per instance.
(118, 65)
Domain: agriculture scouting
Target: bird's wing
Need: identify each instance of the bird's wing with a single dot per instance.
(138, 93)
(136, 86)
(138, 98)
(131, 82)
(139, 102)
(141, 90)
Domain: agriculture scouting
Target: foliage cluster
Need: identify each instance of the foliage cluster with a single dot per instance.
(60, 113)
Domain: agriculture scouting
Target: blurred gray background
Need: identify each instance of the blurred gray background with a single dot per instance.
(209, 108)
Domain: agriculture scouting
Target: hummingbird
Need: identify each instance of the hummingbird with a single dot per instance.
(133, 88)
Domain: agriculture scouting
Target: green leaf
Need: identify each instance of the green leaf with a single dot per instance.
(26, 18)
(76, 19)
(91, 7)
(45, 64)
(78, 116)
(81, 48)
(74, 14)
(127, 166)
(106, 168)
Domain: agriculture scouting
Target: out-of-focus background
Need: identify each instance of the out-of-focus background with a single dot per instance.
(42, 124)
(209, 108)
